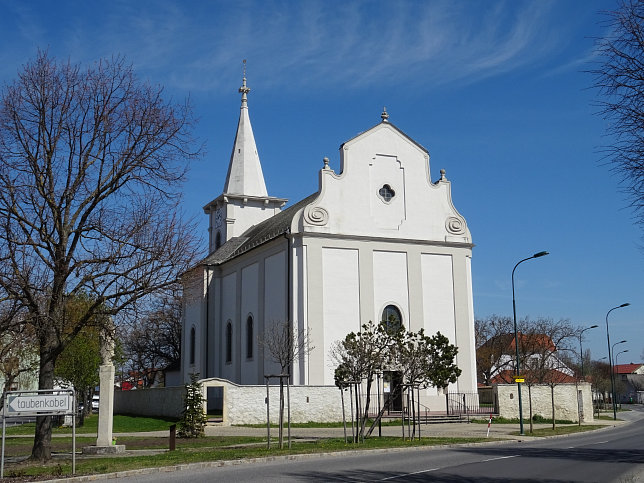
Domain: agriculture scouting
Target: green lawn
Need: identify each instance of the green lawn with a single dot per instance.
(122, 424)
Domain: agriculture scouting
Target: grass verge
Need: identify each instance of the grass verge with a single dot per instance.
(562, 430)
(211, 449)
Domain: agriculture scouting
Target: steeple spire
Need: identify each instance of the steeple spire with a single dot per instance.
(245, 175)
(244, 89)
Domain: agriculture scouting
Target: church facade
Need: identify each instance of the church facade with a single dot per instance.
(379, 238)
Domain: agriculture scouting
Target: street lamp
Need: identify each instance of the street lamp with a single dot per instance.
(620, 352)
(610, 361)
(615, 365)
(581, 349)
(516, 338)
(613, 349)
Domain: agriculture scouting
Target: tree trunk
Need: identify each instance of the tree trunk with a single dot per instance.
(366, 407)
(41, 450)
(281, 417)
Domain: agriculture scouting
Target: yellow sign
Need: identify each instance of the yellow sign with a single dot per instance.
(519, 379)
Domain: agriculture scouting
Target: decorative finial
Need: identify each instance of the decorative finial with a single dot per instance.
(384, 115)
(326, 162)
(443, 178)
(244, 90)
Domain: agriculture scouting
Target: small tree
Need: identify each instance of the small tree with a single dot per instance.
(194, 420)
(284, 345)
(361, 355)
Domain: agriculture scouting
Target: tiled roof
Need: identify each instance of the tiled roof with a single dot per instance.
(626, 368)
(258, 234)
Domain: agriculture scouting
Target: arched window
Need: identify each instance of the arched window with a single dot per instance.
(217, 240)
(192, 345)
(392, 318)
(229, 342)
(249, 337)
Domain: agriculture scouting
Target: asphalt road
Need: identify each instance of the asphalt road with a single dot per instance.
(610, 455)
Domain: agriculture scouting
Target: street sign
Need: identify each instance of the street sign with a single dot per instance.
(32, 404)
(44, 402)
(519, 379)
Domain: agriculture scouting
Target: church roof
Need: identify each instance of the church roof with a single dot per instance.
(258, 234)
(245, 176)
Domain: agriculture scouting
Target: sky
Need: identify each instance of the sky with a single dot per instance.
(497, 91)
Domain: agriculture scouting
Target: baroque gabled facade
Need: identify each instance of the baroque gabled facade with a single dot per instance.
(378, 237)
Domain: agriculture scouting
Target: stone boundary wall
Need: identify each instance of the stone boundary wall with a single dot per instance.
(565, 396)
(246, 404)
(166, 402)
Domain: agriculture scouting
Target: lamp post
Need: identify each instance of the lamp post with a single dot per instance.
(613, 349)
(615, 365)
(620, 352)
(581, 349)
(516, 338)
(610, 361)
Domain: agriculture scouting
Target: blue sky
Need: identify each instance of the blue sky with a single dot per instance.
(496, 91)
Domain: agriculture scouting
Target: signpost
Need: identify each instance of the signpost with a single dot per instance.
(48, 402)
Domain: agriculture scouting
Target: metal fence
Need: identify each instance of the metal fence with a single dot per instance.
(468, 403)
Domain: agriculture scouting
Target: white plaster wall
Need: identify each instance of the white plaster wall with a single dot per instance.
(249, 307)
(193, 313)
(565, 401)
(246, 404)
(274, 298)
(387, 170)
(390, 284)
(438, 300)
(341, 302)
(228, 314)
(384, 154)
(300, 369)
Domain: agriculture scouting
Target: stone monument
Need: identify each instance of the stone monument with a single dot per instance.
(104, 442)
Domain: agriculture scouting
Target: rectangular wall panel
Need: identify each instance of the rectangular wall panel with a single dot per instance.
(249, 308)
(275, 300)
(341, 300)
(438, 297)
(390, 283)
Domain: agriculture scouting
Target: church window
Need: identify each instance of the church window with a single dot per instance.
(229, 342)
(392, 318)
(217, 240)
(249, 337)
(192, 345)
(386, 193)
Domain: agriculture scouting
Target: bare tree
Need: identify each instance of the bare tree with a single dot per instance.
(285, 345)
(539, 343)
(492, 338)
(620, 83)
(91, 162)
(153, 341)
(18, 347)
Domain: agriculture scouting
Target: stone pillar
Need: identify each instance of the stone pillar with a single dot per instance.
(106, 397)
(105, 406)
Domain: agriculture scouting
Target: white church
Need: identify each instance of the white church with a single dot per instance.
(378, 238)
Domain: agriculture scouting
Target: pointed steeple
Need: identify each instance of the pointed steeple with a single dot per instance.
(245, 175)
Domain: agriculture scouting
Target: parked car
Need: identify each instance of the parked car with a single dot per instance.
(95, 399)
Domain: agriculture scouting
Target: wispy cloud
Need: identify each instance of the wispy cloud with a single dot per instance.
(198, 46)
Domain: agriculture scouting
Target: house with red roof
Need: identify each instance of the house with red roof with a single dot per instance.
(629, 379)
